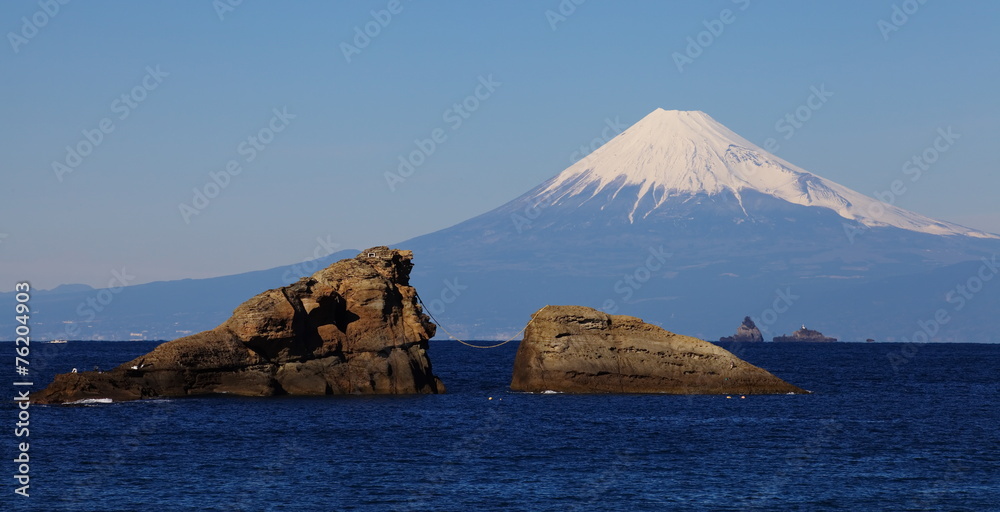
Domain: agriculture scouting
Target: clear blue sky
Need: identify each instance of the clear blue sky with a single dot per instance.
(323, 175)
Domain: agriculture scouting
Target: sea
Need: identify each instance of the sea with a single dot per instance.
(887, 427)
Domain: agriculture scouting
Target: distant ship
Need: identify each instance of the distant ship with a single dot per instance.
(804, 334)
(59, 341)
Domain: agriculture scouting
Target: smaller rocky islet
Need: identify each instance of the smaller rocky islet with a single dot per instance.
(747, 331)
(575, 349)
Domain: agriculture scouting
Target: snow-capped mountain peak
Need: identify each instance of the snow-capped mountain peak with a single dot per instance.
(673, 153)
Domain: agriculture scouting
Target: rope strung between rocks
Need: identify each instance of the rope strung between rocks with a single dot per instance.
(450, 335)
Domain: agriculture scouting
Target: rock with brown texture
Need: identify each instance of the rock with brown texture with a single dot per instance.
(575, 349)
(352, 328)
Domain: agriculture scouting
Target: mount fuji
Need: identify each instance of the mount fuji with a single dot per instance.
(684, 223)
(677, 220)
(676, 154)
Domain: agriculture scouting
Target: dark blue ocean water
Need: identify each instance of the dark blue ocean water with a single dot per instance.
(922, 436)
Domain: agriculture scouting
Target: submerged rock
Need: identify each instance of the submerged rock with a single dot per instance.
(576, 349)
(353, 327)
(804, 334)
(747, 331)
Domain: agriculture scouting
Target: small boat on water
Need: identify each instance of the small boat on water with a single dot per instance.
(59, 341)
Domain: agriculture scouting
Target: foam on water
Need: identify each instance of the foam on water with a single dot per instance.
(91, 401)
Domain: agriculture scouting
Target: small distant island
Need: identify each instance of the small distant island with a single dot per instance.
(804, 334)
(747, 331)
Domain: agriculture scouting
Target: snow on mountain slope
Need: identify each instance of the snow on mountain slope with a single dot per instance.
(676, 154)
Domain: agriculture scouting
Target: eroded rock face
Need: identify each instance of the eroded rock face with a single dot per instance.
(747, 331)
(576, 349)
(353, 327)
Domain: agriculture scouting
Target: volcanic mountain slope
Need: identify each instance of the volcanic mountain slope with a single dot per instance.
(678, 219)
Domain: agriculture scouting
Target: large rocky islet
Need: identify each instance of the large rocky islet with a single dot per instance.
(352, 328)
